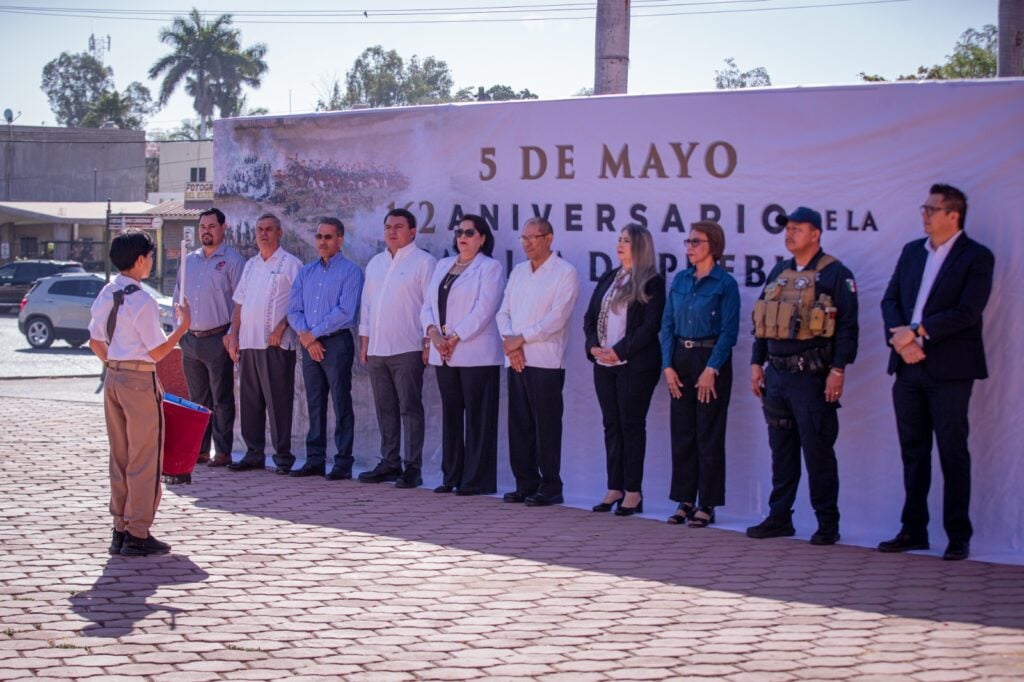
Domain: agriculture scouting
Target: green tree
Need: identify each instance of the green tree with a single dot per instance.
(503, 93)
(127, 110)
(974, 56)
(207, 57)
(74, 83)
(731, 78)
(380, 78)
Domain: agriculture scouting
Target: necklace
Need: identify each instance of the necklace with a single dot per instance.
(448, 280)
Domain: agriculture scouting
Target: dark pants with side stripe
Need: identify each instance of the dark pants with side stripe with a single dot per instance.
(267, 378)
(799, 418)
(535, 429)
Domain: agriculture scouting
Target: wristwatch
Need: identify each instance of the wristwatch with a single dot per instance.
(914, 328)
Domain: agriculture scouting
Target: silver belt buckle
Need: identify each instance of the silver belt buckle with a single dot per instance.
(689, 344)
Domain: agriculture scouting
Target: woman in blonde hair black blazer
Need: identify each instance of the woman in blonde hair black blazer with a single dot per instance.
(466, 352)
(621, 325)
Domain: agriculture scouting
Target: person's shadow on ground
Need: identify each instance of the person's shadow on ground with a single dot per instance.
(119, 597)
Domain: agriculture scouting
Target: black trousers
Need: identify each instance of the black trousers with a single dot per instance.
(698, 431)
(799, 418)
(210, 375)
(924, 406)
(267, 379)
(469, 434)
(397, 383)
(625, 397)
(535, 429)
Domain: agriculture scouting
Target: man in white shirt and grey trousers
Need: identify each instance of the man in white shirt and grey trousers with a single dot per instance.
(392, 347)
(534, 322)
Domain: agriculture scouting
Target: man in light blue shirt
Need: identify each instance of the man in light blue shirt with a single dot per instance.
(323, 311)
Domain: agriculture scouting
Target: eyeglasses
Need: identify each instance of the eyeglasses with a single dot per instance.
(530, 238)
(932, 210)
(695, 242)
(468, 232)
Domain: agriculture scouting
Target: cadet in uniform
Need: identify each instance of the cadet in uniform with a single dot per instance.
(805, 324)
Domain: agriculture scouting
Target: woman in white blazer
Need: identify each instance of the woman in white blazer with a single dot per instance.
(466, 352)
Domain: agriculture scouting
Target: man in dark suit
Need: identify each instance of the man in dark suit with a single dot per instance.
(932, 312)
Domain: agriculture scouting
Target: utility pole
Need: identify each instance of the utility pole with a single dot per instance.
(611, 47)
(1011, 38)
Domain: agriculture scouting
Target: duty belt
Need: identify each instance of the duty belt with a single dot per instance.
(696, 343)
(811, 360)
(200, 334)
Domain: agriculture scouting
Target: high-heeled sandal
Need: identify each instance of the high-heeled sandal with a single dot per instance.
(607, 506)
(678, 519)
(629, 511)
(702, 517)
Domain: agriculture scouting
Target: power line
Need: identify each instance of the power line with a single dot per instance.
(143, 15)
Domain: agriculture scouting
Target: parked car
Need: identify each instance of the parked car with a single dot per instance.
(57, 307)
(17, 277)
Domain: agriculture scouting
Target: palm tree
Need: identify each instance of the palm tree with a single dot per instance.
(209, 59)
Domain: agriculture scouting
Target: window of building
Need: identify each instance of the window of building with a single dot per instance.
(197, 174)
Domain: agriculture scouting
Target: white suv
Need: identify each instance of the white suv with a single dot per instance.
(58, 308)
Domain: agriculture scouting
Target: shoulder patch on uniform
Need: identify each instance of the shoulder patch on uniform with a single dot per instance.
(851, 284)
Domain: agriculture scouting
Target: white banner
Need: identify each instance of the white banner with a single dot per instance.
(862, 155)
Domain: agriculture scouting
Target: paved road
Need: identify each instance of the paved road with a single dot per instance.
(282, 578)
(18, 359)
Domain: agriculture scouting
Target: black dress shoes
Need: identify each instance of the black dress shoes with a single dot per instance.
(772, 527)
(338, 474)
(542, 500)
(467, 492)
(308, 470)
(116, 542)
(903, 542)
(410, 478)
(282, 470)
(380, 474)
(825, 536)
(957, 550)
(244, 465)
(442, 489)
(515, 497)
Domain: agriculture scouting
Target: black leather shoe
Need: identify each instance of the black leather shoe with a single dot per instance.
(146, 546)
(629, 511)
(380, 474)
(338, 474)
(825, 536)
(515, 497)
(903, 542)
(772, 527)
(282, 470)
(467, 492)
(243, 465)
(442, 489)
(410, 478)
(957, 550)
(116, 542)
(607, 506)
(308, 470)
(542, 500)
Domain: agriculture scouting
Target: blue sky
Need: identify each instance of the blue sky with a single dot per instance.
(799, 42)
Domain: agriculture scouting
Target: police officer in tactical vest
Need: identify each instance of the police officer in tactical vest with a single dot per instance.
(805, 324)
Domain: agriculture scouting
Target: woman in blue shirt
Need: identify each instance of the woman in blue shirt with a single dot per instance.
(698, 330)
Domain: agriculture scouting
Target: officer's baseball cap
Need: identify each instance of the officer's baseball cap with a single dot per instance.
(801, 215)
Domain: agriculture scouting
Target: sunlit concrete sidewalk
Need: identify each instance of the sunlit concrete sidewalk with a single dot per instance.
(274, 577)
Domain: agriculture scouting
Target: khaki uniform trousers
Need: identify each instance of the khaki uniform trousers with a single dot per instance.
(135, 426)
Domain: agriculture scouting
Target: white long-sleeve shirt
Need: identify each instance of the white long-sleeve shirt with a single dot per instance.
(538, 305)
(393, 292)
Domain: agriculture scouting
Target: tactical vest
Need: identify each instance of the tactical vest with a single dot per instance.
(789, 309)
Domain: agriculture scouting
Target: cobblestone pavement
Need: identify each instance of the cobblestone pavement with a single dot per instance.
(274, 577)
